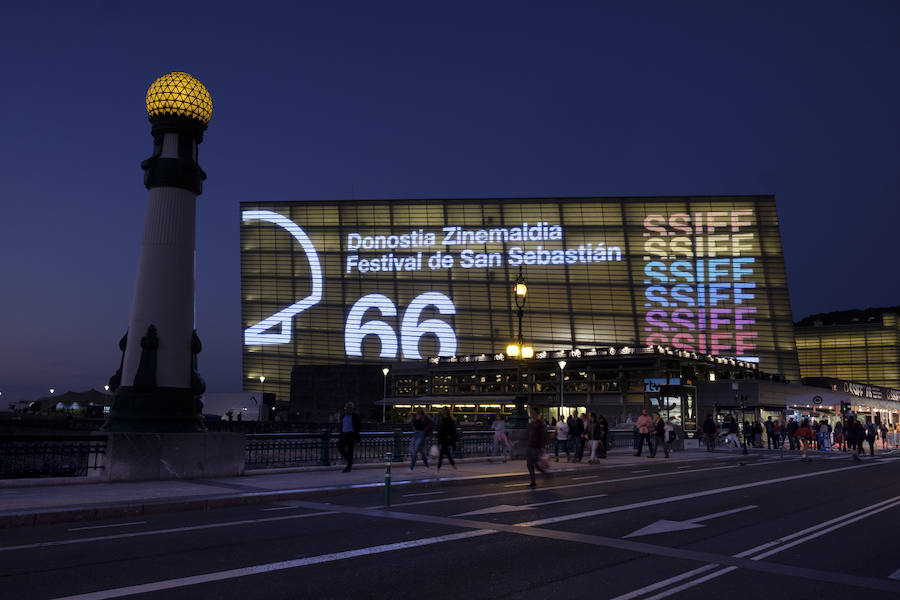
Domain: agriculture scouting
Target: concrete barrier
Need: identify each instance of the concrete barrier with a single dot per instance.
(155, 456)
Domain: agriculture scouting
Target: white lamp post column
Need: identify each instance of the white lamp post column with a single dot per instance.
(157, 387)
(384, 372)
(562, 384)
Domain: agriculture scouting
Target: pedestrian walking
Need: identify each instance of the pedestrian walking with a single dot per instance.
(578, 433)
(671, 434)
(537, 437)
(871, 436)
(594, 436)
(770, 434)
(733, 432)
(884, 432)
(562, 439)
(659, 435)
(804, 434)
(855, 434)
(792, 427)
(501, 441)
(422, 427)
(645, 427)
(839, 436)
(349, 435)
(757, 430)
(604, 436)
(447, 436)
(709, 432)
(776, 431)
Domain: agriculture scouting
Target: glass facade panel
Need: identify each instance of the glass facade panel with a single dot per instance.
(383, 281)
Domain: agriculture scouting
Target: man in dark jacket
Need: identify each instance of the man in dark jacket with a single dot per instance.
(709, 432)
(349, 434)
(577, 432)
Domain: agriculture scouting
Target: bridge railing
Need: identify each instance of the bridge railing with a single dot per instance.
(31, 456)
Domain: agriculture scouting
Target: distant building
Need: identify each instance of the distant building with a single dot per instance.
(852, 345)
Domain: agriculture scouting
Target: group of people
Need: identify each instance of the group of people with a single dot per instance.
(575, 433)
(423, 434)
(656, 431)
(848, 433)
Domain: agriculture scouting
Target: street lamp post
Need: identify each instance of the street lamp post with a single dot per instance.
(519, 351)
(384, 371)
(262, 394)
(562, 384)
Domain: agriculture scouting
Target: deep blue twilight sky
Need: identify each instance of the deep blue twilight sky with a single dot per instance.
(334, 100)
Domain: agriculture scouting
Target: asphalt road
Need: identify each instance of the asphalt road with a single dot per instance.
(763, 529)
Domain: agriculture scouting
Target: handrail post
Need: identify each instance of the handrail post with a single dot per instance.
(398, 445)
(387, 478)
(325, 448)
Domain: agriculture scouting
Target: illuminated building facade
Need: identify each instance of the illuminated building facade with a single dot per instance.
(384, 282)
(852, 345)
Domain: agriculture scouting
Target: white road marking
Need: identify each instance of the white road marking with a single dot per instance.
(509, 485)
(423, 494)
(788, 541)
(895, 575)
(504, 508)
(120, 536)
(315, 514)
(642, 471)
(554, 487)
(666, 526)
(730, 488)
(107, 526)
(585, 477)
(168, 584)
(686, 467)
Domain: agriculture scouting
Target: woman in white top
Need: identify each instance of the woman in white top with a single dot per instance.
(562, 437)
(499, 427)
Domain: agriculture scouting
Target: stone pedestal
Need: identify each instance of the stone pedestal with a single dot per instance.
(519, 440)
(149, 456)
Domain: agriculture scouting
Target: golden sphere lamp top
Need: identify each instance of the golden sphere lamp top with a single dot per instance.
(179, 95)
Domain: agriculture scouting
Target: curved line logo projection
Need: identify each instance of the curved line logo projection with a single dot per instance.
(259, 333)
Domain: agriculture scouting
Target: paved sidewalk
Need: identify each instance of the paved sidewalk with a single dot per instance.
(23, 502)
(26, 502)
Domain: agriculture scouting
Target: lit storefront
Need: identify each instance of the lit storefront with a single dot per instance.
(616, 382)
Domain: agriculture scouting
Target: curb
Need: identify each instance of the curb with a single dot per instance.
(98, 512)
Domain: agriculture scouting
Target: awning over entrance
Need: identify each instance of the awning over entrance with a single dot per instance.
(821, 397)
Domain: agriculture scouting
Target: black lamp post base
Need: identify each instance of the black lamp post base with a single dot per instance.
(518, 418)
(158, 410)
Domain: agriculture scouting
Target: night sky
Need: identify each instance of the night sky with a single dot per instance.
(339, 100)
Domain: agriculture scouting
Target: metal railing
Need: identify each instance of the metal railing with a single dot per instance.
(321, 449)
(310, 449)
(60, 456)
